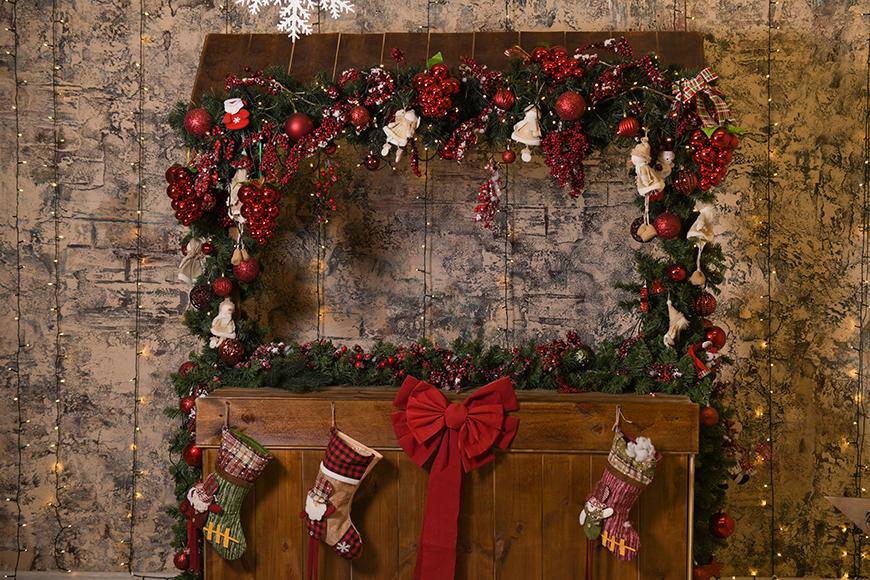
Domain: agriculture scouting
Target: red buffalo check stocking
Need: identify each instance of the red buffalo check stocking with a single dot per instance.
(328, 503)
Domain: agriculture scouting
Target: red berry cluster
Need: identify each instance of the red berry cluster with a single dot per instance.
(557, 63)
(187, 201)
(260, 209)
(713, 155)
(565, 151)
(434, 89)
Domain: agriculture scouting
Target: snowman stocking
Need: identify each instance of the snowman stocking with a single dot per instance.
(630, 468)
(240, 462)
(328, 504)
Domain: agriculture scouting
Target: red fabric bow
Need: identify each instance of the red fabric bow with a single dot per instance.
(461, 437)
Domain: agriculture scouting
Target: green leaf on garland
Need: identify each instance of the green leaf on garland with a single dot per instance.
(708, 130)
(736, 130)
(436, 58)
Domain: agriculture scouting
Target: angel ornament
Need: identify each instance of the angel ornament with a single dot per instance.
(400, 131)
(649, 180)
(223, 327)
(702, 232)
(677, 322)
(193, 262)
(234, 206)
(528, 132)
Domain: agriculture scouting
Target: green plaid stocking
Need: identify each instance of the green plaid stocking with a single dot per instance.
(240, 462)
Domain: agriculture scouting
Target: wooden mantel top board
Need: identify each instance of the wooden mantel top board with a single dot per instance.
(550, 422)
(223, 54)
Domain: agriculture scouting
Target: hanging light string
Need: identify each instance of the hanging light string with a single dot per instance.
(135, 495)
(59, 356)
(508, 259)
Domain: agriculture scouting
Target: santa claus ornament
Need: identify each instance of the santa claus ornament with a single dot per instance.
(198, 503)
(236, 117)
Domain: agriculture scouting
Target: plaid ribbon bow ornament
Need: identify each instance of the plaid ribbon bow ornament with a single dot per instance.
(697, 88)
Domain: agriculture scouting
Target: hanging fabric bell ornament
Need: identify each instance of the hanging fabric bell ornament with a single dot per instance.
(400, 131)
(677, 322)
(528, 132)
(702, 232)
(223, 327)
(193, 263)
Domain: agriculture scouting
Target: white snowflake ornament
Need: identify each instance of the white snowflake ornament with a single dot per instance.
(294, 16)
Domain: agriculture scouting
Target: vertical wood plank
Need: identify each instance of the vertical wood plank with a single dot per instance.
(476, 543)
(518, 549)
(278, 492)
(565, 488)
(665, 513)
(410, 501)
(330, 565)
(376, 518)
(605, 564)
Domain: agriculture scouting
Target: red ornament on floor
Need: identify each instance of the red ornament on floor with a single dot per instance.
(628, 127)
(298, 125)
(231, 351)
(722, 525)
(705, 304)
(181, 561)
(716, 335)
(192, 455)
(667, 225)
(186, 404)
(222, 286)
(247, 270)
(570, 106)
(504, 99)
(709, 416)
(197, 122)
(186, 367)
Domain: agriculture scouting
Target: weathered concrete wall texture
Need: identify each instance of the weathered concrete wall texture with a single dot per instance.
(566, 254)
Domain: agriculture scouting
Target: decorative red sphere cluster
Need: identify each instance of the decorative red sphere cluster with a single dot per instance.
(557, 63)
(260, 209)
(570, 106)
(434, 89)
(713, 155)
(189, 205)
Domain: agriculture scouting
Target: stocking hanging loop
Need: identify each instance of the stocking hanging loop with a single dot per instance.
(619, 415)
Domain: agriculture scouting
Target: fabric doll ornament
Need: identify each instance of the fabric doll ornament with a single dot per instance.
(240, 461)
(234, 206)
(328, 504)
(193, 262)
(677, 323)
(528, 132)
(196, 506)
(400, 131)
(702, 232)
(649, 180)
(223, 327)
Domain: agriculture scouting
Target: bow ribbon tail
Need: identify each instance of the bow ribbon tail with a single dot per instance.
(192, 545)
(436, 555)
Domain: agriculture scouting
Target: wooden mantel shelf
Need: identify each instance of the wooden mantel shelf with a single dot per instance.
(550, 422)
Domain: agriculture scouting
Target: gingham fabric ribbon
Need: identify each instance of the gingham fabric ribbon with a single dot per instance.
(685, 90)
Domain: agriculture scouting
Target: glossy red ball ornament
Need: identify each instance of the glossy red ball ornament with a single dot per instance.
(686, 182)
(628, 127)
(176, 173)
(360, 117)
(197, 122)
(186, 404)
(247, 270)
(722, 525)
(677, 273)
(735, 141)
(570, 106)
(186, 367)
(372, 162)
(508, 156)
(192, 455)
(540, 54)
(704, 304)
(231, 351)
(667, 225)
(720, 139)
(657, 195)
(222, 286)
(440, 71)
(504, 99)
(201, 296)
(716, 335)
(709, 416)
(330, 149)
(657, 287)
(181, 560)
(207, 248)
(298, 125)
(724, 157)
(706, 155)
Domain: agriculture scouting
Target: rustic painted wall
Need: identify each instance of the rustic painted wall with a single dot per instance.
(566, 255)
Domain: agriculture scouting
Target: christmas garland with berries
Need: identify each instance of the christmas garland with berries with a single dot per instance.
(253, 145)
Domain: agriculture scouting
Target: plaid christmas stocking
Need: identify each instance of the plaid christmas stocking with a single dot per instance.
(328, 503)
(240, 462)
(630, 468)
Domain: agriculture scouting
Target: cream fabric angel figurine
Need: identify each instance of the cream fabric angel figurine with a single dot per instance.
(223, 327)
(677, 322)
(400, 131)
(234, 206)
(193, 262)
(702, 232)
(528, 132)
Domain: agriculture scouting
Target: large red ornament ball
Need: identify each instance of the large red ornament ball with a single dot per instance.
(709, 416)
(298, 125)
(504, 99)
(372, 162)
(181, 560)
(186, 404)
(201, 296)
(677, 273)
(570, 106)
(686, 182)
(508, 156)
(667, 225)
(628, 127)
(186, 367)
(197, 122)
(176, 173)
(360, 117)
(705, 304)
(722, 525)
(231, 351)
(716, 335)
(222, 286)
(192, 455)
(247, 270)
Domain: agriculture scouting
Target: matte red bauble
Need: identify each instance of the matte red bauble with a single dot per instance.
(181, 560)
(372, 162)
(207, 248)
(247, 270)
(508, 156)
(186, 367)
(186, 404)
(722, 525)
(360, 117)
(200, 296)
(197, 122)
(705, 304)
(504, 99)
(570, 106)
(667, 225)
(231, 351)
(192, 455)
(686, 182)
(628, 127)
(298, 125)
(222, 286)
(716, 335)
(677, 273)
(709, 416)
